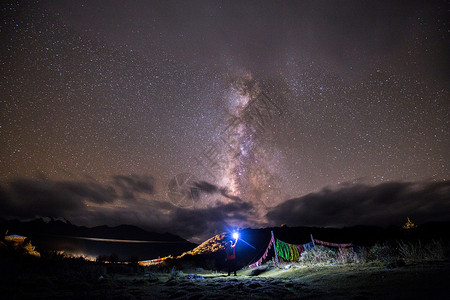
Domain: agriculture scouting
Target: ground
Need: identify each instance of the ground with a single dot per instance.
(357, 281)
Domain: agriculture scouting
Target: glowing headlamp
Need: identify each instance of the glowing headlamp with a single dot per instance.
(235, 235)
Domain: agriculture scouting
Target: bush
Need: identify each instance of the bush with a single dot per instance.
(418, 252)
(382, 253)
(175, 274)
(362, 254)
(437, 251)
(319, 255)
(346, 256)
(411, 251)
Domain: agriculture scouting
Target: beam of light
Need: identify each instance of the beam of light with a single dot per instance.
(247, 243)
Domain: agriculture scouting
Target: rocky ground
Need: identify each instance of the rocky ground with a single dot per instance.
(361, 281)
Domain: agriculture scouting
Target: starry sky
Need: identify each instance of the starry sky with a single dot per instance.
(193, 117)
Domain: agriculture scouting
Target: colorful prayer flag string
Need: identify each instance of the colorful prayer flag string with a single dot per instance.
(259, 262)
(332, 244)
(291, 252)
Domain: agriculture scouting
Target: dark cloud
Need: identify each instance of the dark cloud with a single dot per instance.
(91, 203)
(91, 191)
(26, 198)
(205, 222)
(43, 197)
(224, 192)
(208, 188)
(205, 187)
(130, 185)
(384, 204)
(154, 215)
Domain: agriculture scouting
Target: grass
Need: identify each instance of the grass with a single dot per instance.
(370, 280)
(384, 254)
(418, 252)
(366, 273)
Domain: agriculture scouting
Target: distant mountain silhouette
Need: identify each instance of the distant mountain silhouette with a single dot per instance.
(125, 240)
(60, 234)
(65, 228)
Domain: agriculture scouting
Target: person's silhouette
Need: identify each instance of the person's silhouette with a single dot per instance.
(230, 249)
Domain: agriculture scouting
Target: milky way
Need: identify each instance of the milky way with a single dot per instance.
(250, 154)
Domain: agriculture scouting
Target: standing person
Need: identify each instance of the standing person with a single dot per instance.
(230, 249)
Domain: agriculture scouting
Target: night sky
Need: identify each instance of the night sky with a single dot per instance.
(194, 117)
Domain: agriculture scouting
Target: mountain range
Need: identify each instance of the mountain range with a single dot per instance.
(128, 241)
(51, 234)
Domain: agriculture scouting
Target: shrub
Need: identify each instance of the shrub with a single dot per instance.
(382, 253)
(411, 251)
(418, 252)
(347, 255)
(318, 255)
(362, 254)
(437, 250)
(175, 274)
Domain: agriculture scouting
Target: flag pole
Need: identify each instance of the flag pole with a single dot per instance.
(274, 248)
(312, 240)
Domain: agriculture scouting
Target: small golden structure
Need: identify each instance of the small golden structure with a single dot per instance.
(409, 225)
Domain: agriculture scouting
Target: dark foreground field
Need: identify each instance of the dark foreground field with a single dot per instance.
(429, 280)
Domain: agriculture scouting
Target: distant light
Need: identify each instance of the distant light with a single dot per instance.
(235, 235)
